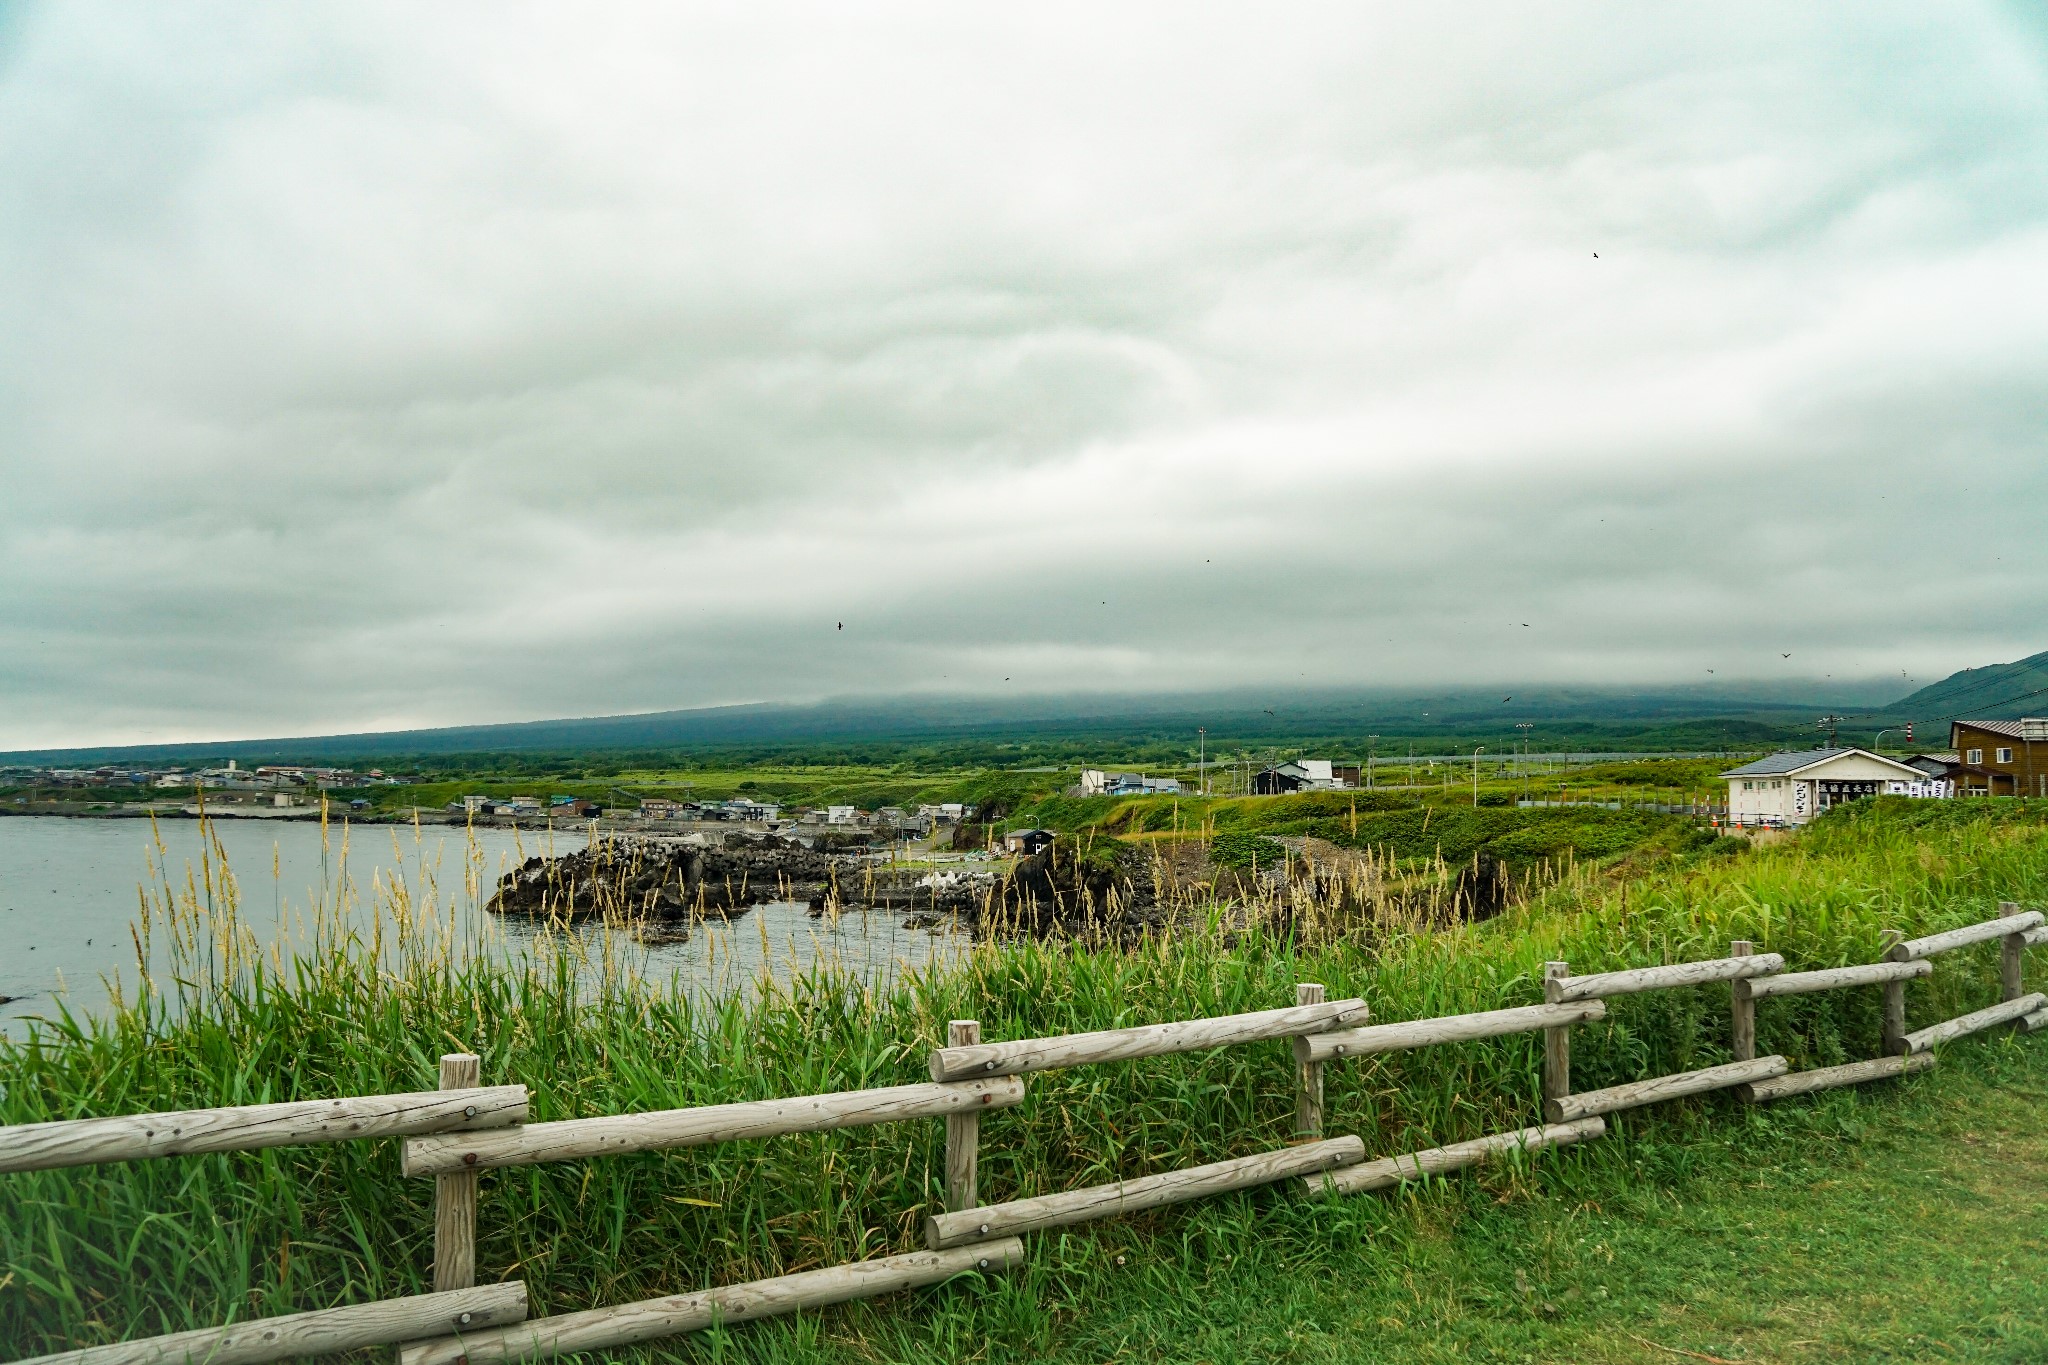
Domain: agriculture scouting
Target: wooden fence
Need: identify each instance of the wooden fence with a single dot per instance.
(454, 1133)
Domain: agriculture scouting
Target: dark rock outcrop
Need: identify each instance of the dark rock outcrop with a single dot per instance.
(671, 879)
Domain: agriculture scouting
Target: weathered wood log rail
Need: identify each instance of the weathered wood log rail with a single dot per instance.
(663, 1130)
(453, 1133)
(1377, 1175)
(248, 1128)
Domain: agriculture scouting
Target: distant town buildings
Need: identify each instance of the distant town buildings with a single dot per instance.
(230, 777)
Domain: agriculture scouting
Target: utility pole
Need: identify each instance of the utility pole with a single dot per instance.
(1524, 726)
(1477, 750)
(1828, 723)
(1202, 760)
(1372, 742)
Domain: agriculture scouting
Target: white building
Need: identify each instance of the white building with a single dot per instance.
(1790, 789)
(1096, 782)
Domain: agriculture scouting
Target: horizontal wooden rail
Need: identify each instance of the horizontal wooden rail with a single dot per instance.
(969, 1226)
(245, 1128)
(1146, 1040)
(1561, 990)
(1376, 1175)
(627, 1324)
(1455, 1028)
(1635, 1094)
(1914, 948)
(2034, 938)
(2034, 1022)
(1828, 1077)
(1833, 978)
(1977, 1021)
(324, 1331)
(614, 1134)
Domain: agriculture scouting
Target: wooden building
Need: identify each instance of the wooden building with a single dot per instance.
(2000, 757)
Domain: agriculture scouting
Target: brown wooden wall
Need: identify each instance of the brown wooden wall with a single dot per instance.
(2025, 775)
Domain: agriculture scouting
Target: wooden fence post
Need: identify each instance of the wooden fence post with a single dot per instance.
(455, 1195)
(2012, 956)
(1894, 1002)
(1308, 1076)
(1742, 1008)
(963, 1132)
(1557, 1041)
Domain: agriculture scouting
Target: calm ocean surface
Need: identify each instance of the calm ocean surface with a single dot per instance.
(70, 898)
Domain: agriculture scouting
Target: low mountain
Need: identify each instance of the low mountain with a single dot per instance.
(1072, 729)
(1993, 692)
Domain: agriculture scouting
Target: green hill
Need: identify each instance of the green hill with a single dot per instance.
(1993, 692)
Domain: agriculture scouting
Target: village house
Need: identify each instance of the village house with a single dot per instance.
(902, 822)
(2000, 757)
(1305, 774)
(1940, 766)
(1026, 841)
(1095, 782)
(662, 808)
(1791, 788)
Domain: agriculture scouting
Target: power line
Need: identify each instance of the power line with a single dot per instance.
(1954, 715)
(1980, 686)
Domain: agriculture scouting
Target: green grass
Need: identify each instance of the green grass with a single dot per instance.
(1901, 1224)
(1402, 826)
(95, 1255)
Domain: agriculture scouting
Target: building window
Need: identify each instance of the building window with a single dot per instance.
(2005, 755)
(1973, 756)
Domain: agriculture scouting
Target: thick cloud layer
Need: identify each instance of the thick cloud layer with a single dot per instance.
(366, 367)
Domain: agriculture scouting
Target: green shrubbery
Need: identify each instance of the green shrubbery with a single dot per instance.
(1245, 852)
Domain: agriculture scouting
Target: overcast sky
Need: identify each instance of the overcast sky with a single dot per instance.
(370, 366)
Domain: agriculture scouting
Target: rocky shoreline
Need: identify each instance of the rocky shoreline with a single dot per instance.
(1102, 891)
(663, 886)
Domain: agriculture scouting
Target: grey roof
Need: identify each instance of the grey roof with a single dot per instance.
(1777, 765)
(2009, 728)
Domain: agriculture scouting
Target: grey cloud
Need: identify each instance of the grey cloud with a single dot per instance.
(369, 367)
